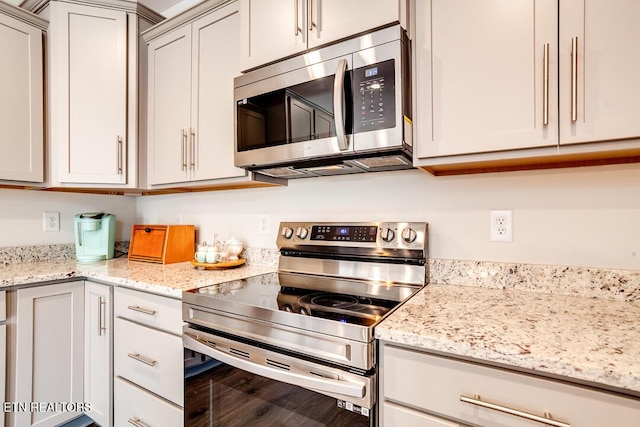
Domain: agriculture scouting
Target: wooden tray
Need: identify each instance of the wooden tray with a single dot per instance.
(219, 265)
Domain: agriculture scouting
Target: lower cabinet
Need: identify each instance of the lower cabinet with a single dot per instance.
(98, 354)
(421, 389)
(148, 360)
(3, 347)
(47, 361)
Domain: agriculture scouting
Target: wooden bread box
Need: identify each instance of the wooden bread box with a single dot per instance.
(163, 244)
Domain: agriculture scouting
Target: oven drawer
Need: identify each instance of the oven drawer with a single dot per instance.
(149, 309)
(133, 404)
(436, 384)
(149, 358)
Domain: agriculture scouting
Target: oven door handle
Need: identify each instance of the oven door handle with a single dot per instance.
(309, 381)
(338, 109)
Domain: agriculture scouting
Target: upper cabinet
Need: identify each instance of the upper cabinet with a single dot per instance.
(97, 91)
(271, 30)
(511, 83)
(21, 103)
(193, 60)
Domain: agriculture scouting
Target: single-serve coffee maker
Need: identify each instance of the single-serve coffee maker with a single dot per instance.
(95, 236)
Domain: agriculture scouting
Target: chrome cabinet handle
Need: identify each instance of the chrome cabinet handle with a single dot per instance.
(142, 310)
(338, 91)
(192, 147)
(574, 79)
(311, 22)
(184, 150)
(136, 422)
(119, 156)
(546, 419)
(545, 86)
(296, 23)
(101, 314)
(145, 360)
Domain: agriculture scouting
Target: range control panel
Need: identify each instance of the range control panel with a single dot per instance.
(402, 235)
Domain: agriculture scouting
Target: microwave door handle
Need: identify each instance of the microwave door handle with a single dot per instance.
(338, 102)
(309, 381)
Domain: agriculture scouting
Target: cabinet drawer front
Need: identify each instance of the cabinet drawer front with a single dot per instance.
(3, 306)
(149, 358)
(133, 403)
(435, 384)
(153, 310)
(396, 415)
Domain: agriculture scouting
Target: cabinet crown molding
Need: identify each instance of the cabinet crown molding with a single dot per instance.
(23, 15)
(36, 6)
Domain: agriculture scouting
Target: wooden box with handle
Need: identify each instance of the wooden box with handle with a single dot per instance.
(163, 244)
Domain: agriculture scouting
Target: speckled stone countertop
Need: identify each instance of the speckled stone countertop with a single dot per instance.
(169, 279)
(588, 339)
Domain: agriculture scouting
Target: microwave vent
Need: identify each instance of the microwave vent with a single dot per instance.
(282, 172)
(382, 162)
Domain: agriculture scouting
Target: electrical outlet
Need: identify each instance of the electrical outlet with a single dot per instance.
(501, 226)
(51, 221)
(263, 224)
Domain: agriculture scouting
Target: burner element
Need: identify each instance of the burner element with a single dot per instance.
(343, 302)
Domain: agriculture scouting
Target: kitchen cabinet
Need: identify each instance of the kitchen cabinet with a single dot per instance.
(148, 358)
(422, 389)
(497, 87)
(97, 87)
(98, 353)
(48, 351)
(279, 28)
(22, 101)
(192, 62)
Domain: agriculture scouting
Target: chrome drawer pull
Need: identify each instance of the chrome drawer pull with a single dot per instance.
(142, 310)
(136, 422)
(142, 359)
(546, 419)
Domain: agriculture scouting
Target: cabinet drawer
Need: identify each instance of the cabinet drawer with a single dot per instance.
(3, 306)
(133, 403)
(149, 358)
(396, 415)
(435, 384)
(153, 310)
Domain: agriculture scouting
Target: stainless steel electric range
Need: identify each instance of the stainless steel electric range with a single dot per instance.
(297, 346)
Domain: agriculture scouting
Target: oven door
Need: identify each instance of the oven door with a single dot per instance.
(254, 386)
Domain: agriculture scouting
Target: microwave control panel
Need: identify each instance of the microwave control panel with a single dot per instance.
(374, 97)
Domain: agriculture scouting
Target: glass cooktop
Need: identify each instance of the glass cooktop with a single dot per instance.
(349, 301)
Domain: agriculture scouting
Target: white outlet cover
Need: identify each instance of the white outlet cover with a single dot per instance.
(501, 226)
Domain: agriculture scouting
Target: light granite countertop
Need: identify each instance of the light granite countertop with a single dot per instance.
(586, 339)
(168, 279)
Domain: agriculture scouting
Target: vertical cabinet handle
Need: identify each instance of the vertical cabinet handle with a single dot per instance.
(296, 22)
(192, 147)
(137, 422)
(119, 154)
(312, 23)
(546, 419)
(184, 150)
(574, 79)
(101, 315)
(545, 86)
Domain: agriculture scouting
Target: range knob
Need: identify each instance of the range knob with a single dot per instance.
(286, 232)
(387, 234)
(302, 232)
(409, 235)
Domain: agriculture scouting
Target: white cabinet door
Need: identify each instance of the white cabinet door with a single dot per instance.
(607, 88)
(98, 366)
(216, 61)
(480, 76)
(271, 29)
(332, 20)
(49, 350)
(21, 102)
(89, 93)
(169, 107)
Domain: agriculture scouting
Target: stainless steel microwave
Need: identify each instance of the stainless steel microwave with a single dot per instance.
(344, 108)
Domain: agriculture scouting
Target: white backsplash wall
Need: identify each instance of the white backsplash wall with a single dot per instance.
(21, 215)
(586, 217)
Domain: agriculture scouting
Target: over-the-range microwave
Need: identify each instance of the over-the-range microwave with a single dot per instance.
(344, 108)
